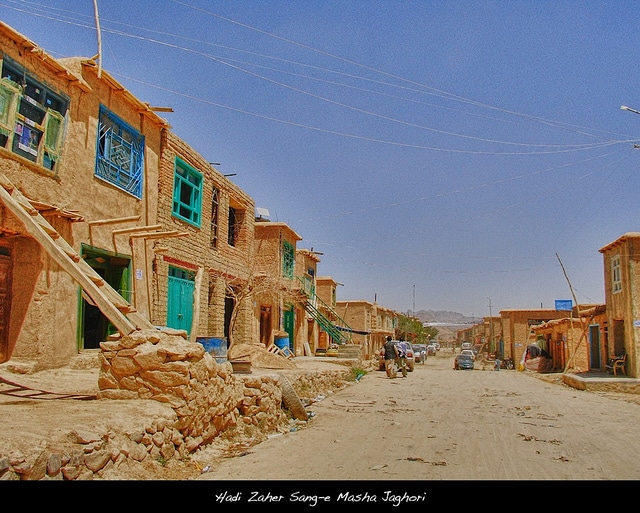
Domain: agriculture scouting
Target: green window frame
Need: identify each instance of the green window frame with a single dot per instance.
(288, 259)
(32, 116)
(187, 193)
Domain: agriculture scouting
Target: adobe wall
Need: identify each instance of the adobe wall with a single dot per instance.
(517, 329)
(203, 248)
(44, 298)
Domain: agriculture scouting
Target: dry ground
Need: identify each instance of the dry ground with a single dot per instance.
(441, 424)
(46, 407)
(437, 424)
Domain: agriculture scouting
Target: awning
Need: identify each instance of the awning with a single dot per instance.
(341, 328)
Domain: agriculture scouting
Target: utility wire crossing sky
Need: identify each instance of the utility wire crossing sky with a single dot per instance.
(440, 155)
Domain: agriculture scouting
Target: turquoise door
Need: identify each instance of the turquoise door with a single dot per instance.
(180, 299)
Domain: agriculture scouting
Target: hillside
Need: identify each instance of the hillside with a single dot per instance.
(446, 333)
(443, 316)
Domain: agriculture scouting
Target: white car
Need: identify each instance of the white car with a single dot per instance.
(469, 352)
(411, 363)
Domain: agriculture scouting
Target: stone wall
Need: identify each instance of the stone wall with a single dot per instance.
(205, 400)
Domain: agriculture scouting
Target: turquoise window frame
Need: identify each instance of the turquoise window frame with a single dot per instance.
(187, 193)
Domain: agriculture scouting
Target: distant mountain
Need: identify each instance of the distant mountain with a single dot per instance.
(443, 316)
(446, 333)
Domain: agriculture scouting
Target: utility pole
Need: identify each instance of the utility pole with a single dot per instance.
(97, 16)
(490, 325)
(414, 300)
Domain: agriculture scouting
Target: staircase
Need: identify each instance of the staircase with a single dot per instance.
(122, 314)
(339, 336)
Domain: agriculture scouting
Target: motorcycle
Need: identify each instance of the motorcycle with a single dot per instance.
(507, 363)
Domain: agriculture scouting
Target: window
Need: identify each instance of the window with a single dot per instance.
(32, 116)
(233, 227)
(307, 286)
(187, 193)
(120, 153)
(215, 207)
(236, 222)
(616, 277)
(288, 259)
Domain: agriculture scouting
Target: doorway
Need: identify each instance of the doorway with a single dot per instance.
(5, 301)
(229, 305)
(95, 327)
(594, 347)
(265, 325)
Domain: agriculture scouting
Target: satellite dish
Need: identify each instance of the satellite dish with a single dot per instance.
(262, 212)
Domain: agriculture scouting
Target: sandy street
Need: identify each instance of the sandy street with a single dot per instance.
(436, 426)
(441, 424)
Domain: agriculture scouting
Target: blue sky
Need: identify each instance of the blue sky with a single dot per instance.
(441, 155)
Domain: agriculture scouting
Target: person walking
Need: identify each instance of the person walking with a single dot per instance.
(390, 353)
(401, 361)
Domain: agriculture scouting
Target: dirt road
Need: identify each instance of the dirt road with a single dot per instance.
(441, 424)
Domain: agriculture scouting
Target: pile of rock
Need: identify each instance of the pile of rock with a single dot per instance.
(184, 401)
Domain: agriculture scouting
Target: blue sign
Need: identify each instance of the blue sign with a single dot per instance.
(564, 304)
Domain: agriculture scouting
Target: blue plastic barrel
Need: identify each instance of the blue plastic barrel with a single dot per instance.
(283, 344)
(216, 347)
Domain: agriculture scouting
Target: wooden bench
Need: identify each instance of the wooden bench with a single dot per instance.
(617, 363)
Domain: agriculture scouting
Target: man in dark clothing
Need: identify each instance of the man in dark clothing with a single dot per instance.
(390, 355)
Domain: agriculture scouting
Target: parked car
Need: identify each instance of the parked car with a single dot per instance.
(431, 349)
(463, 360)
(381, 359)
(411, 362)
(469, 352)
(419, 353)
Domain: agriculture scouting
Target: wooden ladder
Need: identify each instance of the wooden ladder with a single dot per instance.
(124, 317)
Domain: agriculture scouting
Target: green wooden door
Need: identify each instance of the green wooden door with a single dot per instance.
(288, 325)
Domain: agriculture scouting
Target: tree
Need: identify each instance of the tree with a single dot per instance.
(263, 278)
(412, 329)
